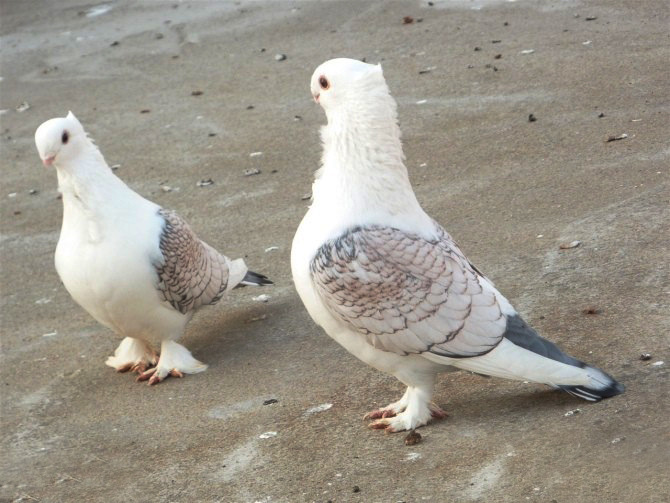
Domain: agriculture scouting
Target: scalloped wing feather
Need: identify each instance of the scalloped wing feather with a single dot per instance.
(192, 273)
(406, 294)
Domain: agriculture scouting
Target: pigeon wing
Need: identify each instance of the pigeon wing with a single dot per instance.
(406, 294)
(191, 273)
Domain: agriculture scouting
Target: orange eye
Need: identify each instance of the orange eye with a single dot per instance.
(323, 82)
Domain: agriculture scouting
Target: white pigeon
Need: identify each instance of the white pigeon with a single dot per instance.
(388, 283)
(135, 267)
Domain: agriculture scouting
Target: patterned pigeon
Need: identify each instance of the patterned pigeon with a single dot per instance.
(136, 268)
(388, 283)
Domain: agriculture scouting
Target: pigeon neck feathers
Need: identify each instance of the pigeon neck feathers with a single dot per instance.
(88, 181)
(363, 176)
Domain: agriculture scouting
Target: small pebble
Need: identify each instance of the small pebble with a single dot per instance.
(645, 357)
(591, 310)
(257, 318)
(531, 118)
(617, 138)
(205, 183)
(572, 412)
(590, 18)
(271, 248)
(33, 192)
(407, 20)
(305, 197)
(427, 70)
(413, 438)
(196, 93)
(252, 171)
(166, 188)
(497, 56)
(261, 298)
(145, 111)
(270, 401)
(601, 115)
(658, 363)
(571, 244)
(114, 44)
(268, 434)
(280, 57)
(356, 489)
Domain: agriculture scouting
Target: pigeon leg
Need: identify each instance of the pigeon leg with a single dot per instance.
(134, 355)
(175, 361)
(391, 409)
(418, 412)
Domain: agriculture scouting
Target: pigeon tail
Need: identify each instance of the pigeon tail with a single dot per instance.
(254, 279)
(601, 385)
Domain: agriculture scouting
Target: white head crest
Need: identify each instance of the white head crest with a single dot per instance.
(60, 140)
(345, 83)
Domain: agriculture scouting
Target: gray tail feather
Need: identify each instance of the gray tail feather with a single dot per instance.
(521, 334)
(254, 279)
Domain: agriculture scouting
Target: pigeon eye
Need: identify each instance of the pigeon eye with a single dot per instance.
(323, 82)
(65, 137)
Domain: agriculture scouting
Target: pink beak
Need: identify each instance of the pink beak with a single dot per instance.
(316, 98)
(48, 161)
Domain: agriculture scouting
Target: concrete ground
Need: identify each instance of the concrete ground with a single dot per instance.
(509, 190)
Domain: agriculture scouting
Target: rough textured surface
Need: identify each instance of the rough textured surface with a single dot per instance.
(73, 430)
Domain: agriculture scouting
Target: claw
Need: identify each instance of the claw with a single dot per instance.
(380, 414)
(154, 377)
(146, 375)
(437, 412)
(124, 368)
(378, 425)
(139, 367)
(374, 414)
(382, 424)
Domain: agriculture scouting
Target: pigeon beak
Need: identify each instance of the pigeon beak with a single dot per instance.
(48, 161)
(316, 97)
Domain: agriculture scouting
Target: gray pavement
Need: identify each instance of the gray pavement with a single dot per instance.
(509, 190)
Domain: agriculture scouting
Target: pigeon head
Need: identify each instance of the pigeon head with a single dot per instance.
(345, 84)
(60, 140)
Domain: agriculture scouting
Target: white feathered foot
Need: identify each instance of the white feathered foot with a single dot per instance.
(134, 355)
(175, 361)
(414, 409)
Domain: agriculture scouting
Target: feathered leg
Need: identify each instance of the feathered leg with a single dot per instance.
(134, 355)
(414, 409)
(175, 361)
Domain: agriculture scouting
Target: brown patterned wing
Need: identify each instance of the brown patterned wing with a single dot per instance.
(406, 294)
(191, 273)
